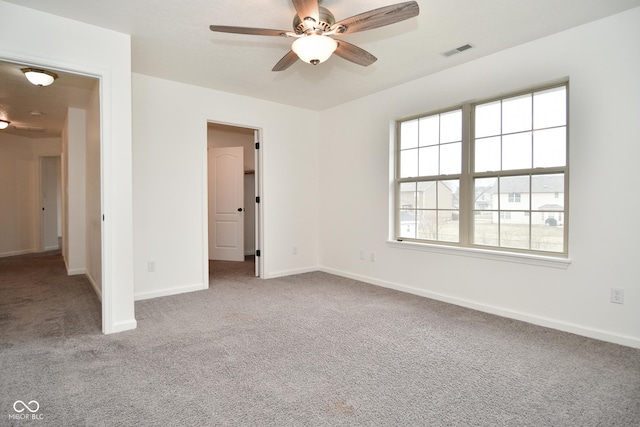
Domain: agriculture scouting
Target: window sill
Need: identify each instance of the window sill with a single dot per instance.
(529, 259)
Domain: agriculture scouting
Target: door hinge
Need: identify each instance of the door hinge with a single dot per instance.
(258, 199)
(258, 252)
(103, 217)
(257, 145)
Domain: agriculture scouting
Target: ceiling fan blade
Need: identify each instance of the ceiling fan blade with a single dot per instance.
(307, 8)
(378, 17)
(288, 60)
(247, 30)
(354, 54)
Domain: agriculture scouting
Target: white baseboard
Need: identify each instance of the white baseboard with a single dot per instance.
(75, 271)
(14, 253)
(139, 296)
(511, 314)
(291, 272)
(122, 326)
(94, 285)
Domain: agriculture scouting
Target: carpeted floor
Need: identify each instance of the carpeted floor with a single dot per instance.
(306, 350)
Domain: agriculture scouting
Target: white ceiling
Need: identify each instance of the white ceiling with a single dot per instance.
(171, 39)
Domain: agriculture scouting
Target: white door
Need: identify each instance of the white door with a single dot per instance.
(226, 199)
(49, 196)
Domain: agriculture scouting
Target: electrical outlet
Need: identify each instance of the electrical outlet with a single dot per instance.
(295, 250)
(361, 254)
(372, 257)
(617, 295)
(151, 266)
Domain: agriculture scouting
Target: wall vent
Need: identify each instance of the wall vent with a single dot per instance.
(457, 50)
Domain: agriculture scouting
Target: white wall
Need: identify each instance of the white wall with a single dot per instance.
(170, 216)
(77, 47)
(74, 142)
(19, 199)
(602, 62)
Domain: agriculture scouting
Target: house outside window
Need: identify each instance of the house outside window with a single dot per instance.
(487, 175)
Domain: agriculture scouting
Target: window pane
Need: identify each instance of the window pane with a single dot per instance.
(514, 235)
(427, 195)
(550, 108)
(549, 147)
(487, 119)
(408, 163)
(516, 114)
(407, 224)
(516, 151)
(485, 228)
(427, 225)
(448, 226)
(448, 194)
(429, 160)
(485, 193)
(408, 195)
(408, 134)
(487, 154)
(547, 238)
(451, 126)
(430, 130)
(450, 158)
(547, 194)
(514, 193)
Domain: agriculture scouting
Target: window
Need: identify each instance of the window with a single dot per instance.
(430, 148)
(492, 174)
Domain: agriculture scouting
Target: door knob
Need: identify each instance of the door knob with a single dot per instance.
(240, 209)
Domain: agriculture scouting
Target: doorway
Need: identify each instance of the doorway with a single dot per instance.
(55, 136)
(51, 204)
(233, 213)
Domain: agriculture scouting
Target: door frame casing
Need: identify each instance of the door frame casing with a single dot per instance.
(259, 222)
(109, 195)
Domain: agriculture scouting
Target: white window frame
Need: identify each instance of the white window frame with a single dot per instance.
(465, 246)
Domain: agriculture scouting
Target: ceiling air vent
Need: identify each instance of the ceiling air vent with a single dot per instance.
(457, 50)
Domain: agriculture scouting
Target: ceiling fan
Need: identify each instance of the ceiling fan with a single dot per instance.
(313, 25)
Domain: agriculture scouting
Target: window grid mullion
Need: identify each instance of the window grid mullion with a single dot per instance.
(466, 206)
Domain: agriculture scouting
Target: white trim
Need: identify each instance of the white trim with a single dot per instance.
(95, 286)
(76, 271)
(171, 291)
(520, 258)
(205, 210)
(105, 87)
(546, 322)
(14, 253)
(284, 273)
(125, 325)
(259, 231)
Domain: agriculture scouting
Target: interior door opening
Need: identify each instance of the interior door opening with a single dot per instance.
(51, 203)
(233, 192)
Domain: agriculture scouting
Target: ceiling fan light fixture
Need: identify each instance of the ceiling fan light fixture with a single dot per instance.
(314, 48)
(39, 77)
(4, 124)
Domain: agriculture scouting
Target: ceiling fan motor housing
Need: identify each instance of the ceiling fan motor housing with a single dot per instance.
(326, 21)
